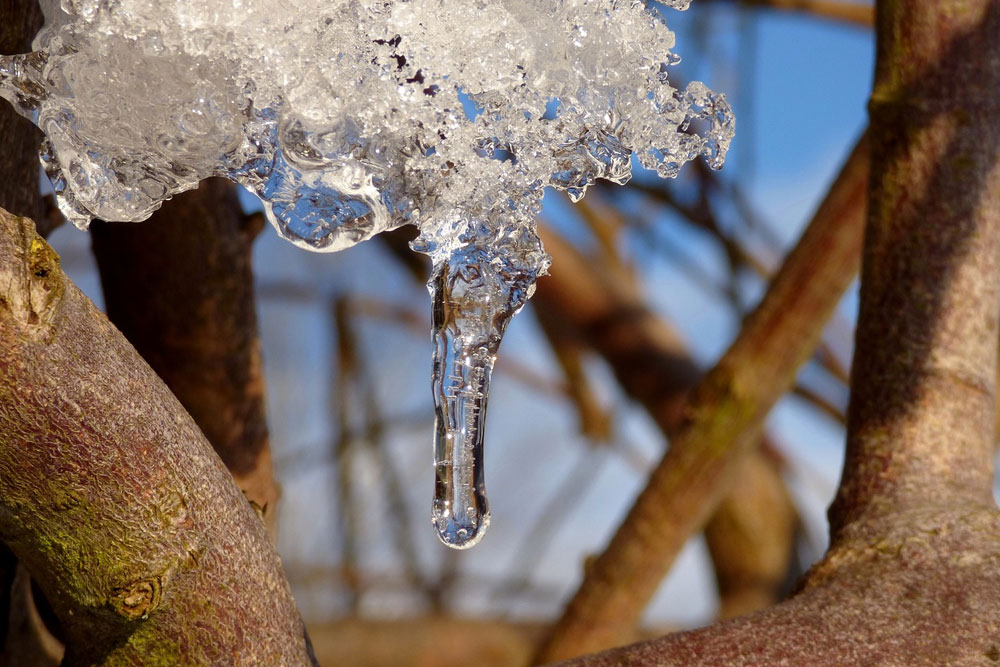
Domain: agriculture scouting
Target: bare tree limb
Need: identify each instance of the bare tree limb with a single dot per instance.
(112, 497)
(751, 566)
(722, 423)
(837, 10)
(921, 417)
(180, 287)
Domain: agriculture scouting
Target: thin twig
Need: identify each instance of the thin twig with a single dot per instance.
(845, 12)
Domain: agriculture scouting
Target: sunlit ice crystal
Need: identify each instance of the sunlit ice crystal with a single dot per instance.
(352, 117)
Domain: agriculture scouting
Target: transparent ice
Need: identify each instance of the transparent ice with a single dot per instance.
(352, 117)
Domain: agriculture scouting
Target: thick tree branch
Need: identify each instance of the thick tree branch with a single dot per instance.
(722, 424)
(112, 497)
(180, 287)
(921, 418)
(19, 192)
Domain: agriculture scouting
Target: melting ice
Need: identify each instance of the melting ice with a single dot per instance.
(346, 118)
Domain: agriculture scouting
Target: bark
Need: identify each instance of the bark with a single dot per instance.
(180, 287)
(113, 499)
(913, 572)
(19, 193)
(722, 424)
(921, 417)
(920, 591)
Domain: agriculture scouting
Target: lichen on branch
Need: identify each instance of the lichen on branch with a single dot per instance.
(111, 496)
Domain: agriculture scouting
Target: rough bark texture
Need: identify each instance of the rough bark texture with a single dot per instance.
(721, 426)
(180, 287)
(913, 572)
(112, 497)
(922, 591)
(751, 535)
(19, 193)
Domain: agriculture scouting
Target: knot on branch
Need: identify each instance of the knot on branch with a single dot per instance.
(34, 283)
(138, 599)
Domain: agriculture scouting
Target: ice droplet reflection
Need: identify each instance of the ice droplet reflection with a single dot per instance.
(475, 294)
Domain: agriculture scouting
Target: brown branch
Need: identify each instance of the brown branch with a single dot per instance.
(820, 402)
(112, 497)
(836, 10)
(648, 358)
(595, 421)
(440, 641)
(180, 287)
(921, 417)
(19, 192)
(751, 571)
(751, 567)
(722, 423)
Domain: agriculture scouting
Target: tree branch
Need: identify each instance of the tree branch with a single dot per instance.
(836, 10)
(722, 423)
(180, 287)
(921, 418)
(653, 366)
(112, 497)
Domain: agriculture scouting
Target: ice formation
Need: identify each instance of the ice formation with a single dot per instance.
(352, 117)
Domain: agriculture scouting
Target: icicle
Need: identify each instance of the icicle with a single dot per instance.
(475, 294)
